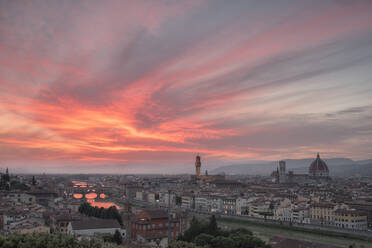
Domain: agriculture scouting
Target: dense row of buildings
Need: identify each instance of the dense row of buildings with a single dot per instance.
(294, 198)
(51, 204)
(318, 173)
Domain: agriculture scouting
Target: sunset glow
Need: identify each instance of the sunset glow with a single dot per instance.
(142, 86)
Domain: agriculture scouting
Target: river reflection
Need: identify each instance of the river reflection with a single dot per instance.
(78, 196)
(93, 203)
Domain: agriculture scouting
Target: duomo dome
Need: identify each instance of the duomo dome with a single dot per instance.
(318, 168)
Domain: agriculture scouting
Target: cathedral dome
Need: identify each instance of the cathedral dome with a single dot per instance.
(318, 167)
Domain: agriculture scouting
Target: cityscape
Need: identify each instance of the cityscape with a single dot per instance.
(152, 209)
(186, 124)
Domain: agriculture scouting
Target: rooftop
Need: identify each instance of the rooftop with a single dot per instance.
(94, 224)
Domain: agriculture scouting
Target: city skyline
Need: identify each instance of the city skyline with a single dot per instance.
(146, 85)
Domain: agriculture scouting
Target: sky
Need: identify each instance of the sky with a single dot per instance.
(143, 86)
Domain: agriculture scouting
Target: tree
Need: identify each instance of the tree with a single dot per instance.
(208, 235)
(222, 242)
(110, 213)
(182, 244)
(246, 240)
(212, 226)
(196, 228)
(118, 239)
(203, 239)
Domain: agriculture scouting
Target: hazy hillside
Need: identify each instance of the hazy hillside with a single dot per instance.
(337, 167)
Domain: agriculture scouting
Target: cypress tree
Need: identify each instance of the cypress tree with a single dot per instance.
(117, 237)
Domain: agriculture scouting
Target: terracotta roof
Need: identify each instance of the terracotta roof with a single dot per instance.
(157, 213)
(323, 205)
(350, 212)
(94, 224)
(318, 165)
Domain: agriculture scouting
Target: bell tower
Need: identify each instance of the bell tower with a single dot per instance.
(282, 172)
(197, 166)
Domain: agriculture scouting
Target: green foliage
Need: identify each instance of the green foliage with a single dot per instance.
(246, 241)
(203, 239)
(110, 213)
(106, 237)
(45, 240)
(222, 242)
(301, 229)
(208, 235)
(196, 227)
(182, 244)
(212, 227)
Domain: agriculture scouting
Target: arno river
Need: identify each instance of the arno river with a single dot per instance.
(92, 197)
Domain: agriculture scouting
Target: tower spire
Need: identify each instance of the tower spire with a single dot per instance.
(197, 165)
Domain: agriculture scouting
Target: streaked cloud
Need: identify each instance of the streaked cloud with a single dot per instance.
(151, 83)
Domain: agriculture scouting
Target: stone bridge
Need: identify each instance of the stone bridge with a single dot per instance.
(107, 191)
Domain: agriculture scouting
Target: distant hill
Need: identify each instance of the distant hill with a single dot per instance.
(337, 166)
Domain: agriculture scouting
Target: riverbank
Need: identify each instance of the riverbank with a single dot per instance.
(266, 230)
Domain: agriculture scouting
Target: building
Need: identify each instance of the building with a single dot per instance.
(188, 201)
(91, 227)
(318, 173)
(242, 207)
(261, 208)
(350, 219)
(301, 215)
(19, 197)
(197, 166)
(229, 205)
(151, 225)
(202, 204)
(216, 204)
(44, 197)
(13, 218)
(199, 176)
(322, 213)
(363, 206)
(60, 222)
(139, 195)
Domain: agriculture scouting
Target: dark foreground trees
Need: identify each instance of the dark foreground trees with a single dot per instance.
(208, 235)
(117, 238)
(46, 240)
(110, 213)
